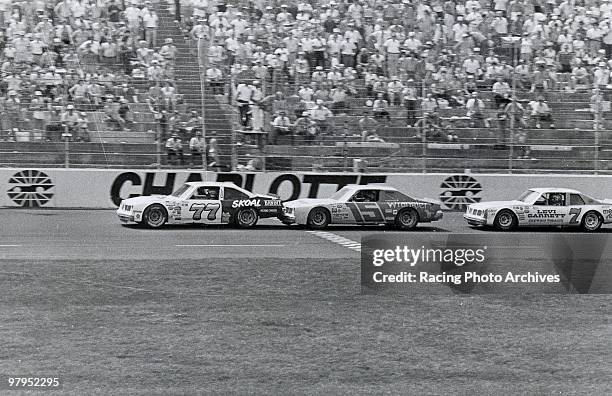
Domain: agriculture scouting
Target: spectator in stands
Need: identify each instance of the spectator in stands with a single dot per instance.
(111, 113)
(197, 146)
(409, 101)
(380, 108)
(579, 77)
(281, 125)
(214, 78)
(213, 151)
(174, 150)
(168, 51)
(39, 107)
(367, 126)
(83, 128)
(430, 127)
(306, 128)
(501, 90)
(321, 115)
(70, 121)
(150, 24)
(515, 114)
(125, 114)
(476, 111)
(243, 94)
(540, 111)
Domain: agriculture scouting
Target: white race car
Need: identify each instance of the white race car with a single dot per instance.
(368, 204)
(539, 207)
(201, 202)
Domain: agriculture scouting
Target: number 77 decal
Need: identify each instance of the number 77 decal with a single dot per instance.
(198, 208)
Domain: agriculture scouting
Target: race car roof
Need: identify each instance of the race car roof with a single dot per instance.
(212, 184)
(371, 186)
(542, 190)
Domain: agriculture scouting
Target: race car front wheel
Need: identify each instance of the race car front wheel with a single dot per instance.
(505, 220)
(318, 218)
(246, 218)
(155, 216)
(591, 221)
(407, 219)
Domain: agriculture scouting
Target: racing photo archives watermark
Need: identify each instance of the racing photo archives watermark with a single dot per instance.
(494, 263)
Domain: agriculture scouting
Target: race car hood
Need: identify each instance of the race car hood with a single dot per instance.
(606, 201)
(309, 202)
(147, 199)
(495, 204)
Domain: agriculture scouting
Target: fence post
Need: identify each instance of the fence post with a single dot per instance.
(66, 137)
(158, 147)
(598, 121)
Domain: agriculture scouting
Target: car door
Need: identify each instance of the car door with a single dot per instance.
(550, 209)
(576, 209)
(365, 208)
(203, 206)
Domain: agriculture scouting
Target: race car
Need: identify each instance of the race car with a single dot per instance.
(362, 204)
(201, 202)
(539, 207)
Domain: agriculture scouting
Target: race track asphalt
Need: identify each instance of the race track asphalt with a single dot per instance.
(97, 234)
(277, 310)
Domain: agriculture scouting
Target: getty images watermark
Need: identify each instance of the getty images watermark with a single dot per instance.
(489, 263)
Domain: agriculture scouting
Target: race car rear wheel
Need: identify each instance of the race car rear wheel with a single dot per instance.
(318, 218)
(407, 219)
(505, 220)
(591, 221)
(155, 216)
(246, 218)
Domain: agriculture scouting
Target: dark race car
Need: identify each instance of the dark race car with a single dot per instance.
(363, 204)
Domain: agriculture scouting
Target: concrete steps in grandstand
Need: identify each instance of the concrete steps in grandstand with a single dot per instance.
(187, 77)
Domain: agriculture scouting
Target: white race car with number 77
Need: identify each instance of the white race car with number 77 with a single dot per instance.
(537, 207)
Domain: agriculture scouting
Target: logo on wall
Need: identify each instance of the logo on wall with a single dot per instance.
(458, 191)
(30, 188)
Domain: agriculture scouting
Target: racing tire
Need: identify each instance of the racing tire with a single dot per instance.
(407, 219)
(155, 216)
(318, 218)
(591, 221)
(505, 220)
(246, 218)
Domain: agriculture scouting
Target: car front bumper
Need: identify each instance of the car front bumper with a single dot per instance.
(126, 217)
(475, 220)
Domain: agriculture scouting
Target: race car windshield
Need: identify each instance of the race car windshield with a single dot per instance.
(528, 196)
(180, 191)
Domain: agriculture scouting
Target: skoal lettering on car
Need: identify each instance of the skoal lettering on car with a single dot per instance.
(246, 202)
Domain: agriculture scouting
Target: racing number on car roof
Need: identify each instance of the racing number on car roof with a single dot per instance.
(198, 208)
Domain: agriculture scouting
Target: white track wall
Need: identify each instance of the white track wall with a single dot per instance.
(78, 188)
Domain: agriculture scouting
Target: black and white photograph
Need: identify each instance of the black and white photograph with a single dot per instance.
(305, 197)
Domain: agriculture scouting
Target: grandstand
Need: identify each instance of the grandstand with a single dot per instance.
(367, 86)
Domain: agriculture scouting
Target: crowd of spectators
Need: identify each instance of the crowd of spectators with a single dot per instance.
(60, 60)
(297, 67)
(405, 58)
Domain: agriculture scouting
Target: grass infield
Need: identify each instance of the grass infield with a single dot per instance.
(288, 327)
